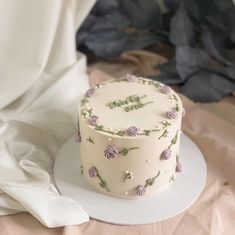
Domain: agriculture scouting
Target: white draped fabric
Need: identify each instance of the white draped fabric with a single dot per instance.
(41, 80)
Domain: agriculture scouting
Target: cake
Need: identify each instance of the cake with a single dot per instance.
(129, 130)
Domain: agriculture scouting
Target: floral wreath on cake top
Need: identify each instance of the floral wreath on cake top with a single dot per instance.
(135, 101)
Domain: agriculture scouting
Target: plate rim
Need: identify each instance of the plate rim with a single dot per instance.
(203, 183)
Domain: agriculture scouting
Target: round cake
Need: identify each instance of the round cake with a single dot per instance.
(129, 131)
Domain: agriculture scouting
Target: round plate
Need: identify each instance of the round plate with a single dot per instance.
(179, 196)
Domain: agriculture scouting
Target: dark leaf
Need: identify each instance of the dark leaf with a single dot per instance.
(167, 20)
(190, 60)
(101, 24)
(106, 43)
(118, 19)
(181, 32)
(227, 72)
(201, 9)
(207, 87)
(207, 8)
(92, 25)
(224, 5)
(194, 9)
(217, 23)
(137, 41)
(143, 14)
(112, 19)
(89, 22)
(230, 22)
(168, 73)
(214, 43)
(104, 6)
(110, 43)
(172, 4)
(83, 32)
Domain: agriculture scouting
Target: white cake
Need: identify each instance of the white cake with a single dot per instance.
(130, 135)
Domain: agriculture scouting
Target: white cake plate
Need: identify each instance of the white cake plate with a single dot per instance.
(179, 196)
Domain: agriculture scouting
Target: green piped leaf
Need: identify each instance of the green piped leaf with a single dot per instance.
(121, 133)
(127, 176)
(174, 140)
(103, 183)
(157, 85)
(164, 134)
(91, 140)
(84, 101)
(99, 128)
(146, 132)
(125, 151)
(151, 181)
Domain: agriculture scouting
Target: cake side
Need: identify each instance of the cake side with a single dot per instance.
(130, 158)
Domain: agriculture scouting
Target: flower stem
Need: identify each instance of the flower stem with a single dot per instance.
(164, 134)
(103, 183)
(151, 181)
(125, 151)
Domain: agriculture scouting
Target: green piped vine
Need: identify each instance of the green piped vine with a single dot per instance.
(135, 103)
(151, 181)
(125, 151)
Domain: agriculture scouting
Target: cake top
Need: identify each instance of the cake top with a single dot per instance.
(131, 106)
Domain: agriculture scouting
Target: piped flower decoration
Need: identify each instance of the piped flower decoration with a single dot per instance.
(132, 131)
(78, 137)
(165, 89)
(140, 190)
(111, 152)
(172, 114)
(93, 120)
(131, 78)
(90, 92)
(166, 154)
(178, 167)
(93, 172)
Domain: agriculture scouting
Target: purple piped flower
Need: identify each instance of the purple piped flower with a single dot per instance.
(93, 172)
(172, 114)
(165, 89)
(132, 131)
(90, 92)
(78, 137)
(140, 190)
(166, 154)
(178, 167)
(131, 78)
(93, 120)
(111, 152)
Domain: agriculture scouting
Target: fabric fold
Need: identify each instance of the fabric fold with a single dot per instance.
(41, 81)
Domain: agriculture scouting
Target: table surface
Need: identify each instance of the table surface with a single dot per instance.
(212, 127)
